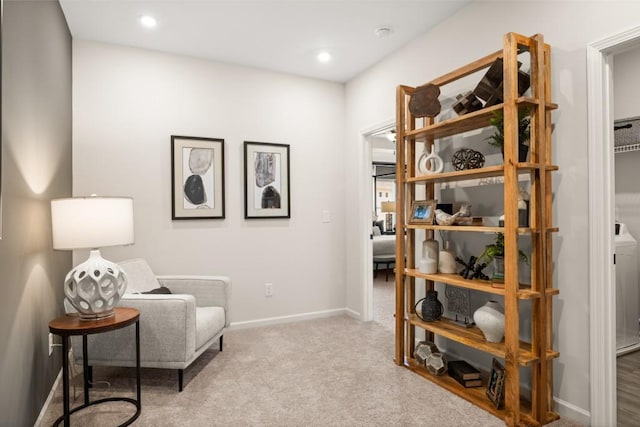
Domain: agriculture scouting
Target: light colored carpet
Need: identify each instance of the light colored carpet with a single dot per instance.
(327, 372)
(384, 301)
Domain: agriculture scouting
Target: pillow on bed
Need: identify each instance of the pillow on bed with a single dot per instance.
(376, 231)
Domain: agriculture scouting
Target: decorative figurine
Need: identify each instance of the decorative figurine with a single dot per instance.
(443, 218)
(466, 103)
(466, 158)
(424, 101)
(471, 270)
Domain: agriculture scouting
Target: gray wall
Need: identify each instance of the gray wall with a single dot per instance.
(36, 144)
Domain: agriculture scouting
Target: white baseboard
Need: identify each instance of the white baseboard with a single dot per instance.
(353, 313)
(291, 318)
(49, 399)
(573, 412)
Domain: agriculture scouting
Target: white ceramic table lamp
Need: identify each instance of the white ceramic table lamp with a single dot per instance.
(95, 286)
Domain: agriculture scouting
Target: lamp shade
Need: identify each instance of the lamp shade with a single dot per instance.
(388, 207)
(92, 222)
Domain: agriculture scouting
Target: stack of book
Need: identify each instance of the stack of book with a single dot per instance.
(464, 373)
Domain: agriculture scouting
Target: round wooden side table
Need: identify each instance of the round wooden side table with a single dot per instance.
(70, 325)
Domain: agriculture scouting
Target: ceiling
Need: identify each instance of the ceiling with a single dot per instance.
(283, 36)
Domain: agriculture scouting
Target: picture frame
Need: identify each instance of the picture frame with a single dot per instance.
(422, 212)
(266, 180)
(197, 178)
(495, 388)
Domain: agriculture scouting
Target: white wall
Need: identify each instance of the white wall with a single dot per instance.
(470, 34)
(126, 104)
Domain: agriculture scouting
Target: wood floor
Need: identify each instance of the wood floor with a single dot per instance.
(628, 375)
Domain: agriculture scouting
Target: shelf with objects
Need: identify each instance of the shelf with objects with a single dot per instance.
(518, 105)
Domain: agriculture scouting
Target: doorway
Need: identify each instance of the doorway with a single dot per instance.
(602, 306)
(381, 168)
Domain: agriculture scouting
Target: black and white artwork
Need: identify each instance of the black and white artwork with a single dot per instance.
(459, 303)
(266, 173)
(197, 177)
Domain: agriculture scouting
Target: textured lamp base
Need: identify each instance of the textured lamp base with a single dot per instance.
(95, 287)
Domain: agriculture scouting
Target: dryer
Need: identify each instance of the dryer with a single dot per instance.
(627, 292)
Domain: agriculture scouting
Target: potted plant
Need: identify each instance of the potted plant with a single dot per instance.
(524, 133)
(495, 253)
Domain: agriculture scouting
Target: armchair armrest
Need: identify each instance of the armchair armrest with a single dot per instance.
(167, 332)
(208, 290)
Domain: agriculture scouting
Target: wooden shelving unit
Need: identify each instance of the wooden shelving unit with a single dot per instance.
(536, 353)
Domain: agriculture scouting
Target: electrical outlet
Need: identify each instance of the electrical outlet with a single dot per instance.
(50, 343)
(268, 289)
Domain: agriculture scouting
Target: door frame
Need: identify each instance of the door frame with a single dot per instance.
(602, 299)
(366, 201)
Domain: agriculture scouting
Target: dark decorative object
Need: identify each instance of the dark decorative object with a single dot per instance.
(423, 350)
(466, 158)
(197, 171)
(266, 180)
(432, 309)
(472, 269)
(464, 373)
(436, 364)
(458, 302)
(466, 103)
(490, 87)
(445, 207)
(496, 384)
(424, 101)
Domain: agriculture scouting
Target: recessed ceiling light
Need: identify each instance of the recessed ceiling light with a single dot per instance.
(324, 56)
(148, 21)
(383, 32)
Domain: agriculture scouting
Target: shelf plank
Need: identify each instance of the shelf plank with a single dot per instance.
(463, 228)
(475, 284)
(471, 174)
(473, 337)
(474, 395)
(467, 122)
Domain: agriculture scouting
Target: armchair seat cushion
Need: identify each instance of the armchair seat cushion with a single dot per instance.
(209, 321)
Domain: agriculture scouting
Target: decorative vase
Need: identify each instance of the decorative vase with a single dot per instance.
(432, 309)
(427, 266)
(447, 259)
(490, 320)
(430, 249)
(430, 163)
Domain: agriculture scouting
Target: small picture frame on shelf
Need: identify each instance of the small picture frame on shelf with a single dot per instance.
(422, 212)
(495, 387)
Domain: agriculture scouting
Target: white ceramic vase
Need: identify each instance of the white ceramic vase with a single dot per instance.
(447, 259)
(490, 320)
(431, 249)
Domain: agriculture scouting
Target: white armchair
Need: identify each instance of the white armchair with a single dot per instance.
(175, 328)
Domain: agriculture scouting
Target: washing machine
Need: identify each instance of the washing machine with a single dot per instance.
(627, 292)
